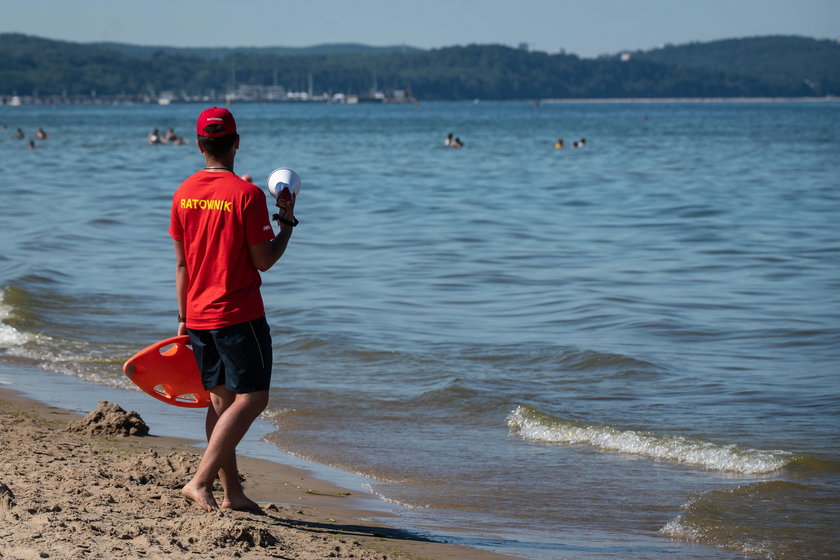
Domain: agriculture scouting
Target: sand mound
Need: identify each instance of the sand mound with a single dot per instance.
(7, 499)
(110, 419)
(223, 532)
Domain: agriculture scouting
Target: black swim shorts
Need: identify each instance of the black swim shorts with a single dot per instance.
(236, 356)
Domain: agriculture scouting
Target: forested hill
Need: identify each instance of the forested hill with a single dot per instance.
(752, 67)
(771, 59)
(144, 51)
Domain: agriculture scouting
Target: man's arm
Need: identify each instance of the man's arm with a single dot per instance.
(264, 255)
(181, 284)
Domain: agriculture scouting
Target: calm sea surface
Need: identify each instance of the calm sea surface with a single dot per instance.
(626, 350)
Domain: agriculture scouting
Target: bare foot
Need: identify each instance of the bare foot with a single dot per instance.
(201, 495)
(243, 504)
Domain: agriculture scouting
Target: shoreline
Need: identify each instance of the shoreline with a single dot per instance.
(69, 494)
(28, 102)
(824, 99)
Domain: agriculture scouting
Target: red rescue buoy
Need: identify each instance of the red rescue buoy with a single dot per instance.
(168, 372)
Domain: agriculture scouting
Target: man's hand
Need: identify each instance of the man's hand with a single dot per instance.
(286, 204)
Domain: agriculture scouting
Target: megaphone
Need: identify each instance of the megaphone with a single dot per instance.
(283, 182)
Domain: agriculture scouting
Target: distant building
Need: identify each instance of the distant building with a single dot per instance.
(625, 56)
(260, 93)
(523, 46)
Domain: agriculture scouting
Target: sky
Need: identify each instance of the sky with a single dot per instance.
(587, 28)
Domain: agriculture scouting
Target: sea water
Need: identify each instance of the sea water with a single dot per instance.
(629, 349)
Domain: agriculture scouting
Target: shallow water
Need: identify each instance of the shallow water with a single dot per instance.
(630, 349)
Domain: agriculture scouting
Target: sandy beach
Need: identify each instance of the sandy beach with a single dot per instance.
(95, 487)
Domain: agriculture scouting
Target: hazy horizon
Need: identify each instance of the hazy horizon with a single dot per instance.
(395, 46)
(588, 30)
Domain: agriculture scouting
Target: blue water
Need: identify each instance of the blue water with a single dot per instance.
(630, 349)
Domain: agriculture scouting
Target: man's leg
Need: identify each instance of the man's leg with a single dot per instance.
(228, 420)
(235, 497)
(220, 399)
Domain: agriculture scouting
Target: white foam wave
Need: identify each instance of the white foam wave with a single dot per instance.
(686, 527)
(387, 500)
(681, 530)
(534, 425)
(73, 358)
(9, 336)
(273, 414)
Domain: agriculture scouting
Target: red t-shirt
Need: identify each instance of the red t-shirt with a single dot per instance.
(216, 216)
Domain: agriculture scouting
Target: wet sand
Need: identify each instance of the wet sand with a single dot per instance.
(73, 487)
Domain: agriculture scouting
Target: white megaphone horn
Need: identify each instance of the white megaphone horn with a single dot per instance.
(283, 179)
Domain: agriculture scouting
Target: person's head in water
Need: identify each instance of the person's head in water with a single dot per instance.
(216, 132)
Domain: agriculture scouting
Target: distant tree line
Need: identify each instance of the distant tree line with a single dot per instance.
(763, 66)
(774, 61)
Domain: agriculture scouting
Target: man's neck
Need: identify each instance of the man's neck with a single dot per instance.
(220, 164)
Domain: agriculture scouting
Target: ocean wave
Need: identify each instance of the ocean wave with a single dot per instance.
(382, 497)
(772, 519)
(618, 364)
(87, 361)
(9, 336)
(563, 359)
(275, 415)
(679, 530)
(531, 424)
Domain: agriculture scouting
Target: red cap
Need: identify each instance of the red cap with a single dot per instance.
(215, 115)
